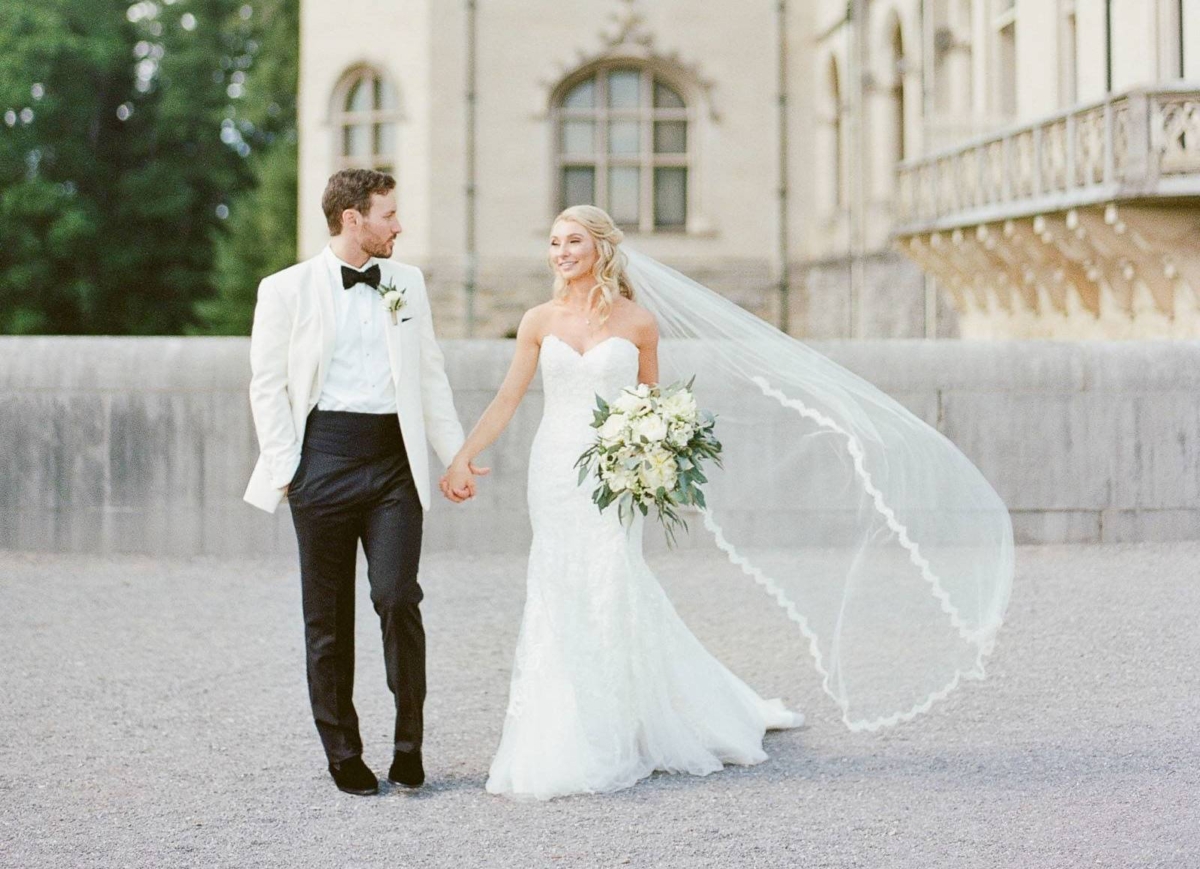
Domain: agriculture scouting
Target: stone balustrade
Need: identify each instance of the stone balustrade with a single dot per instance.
(1141, 145)
(1080, 225)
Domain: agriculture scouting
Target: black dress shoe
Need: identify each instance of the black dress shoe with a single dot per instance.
(407, 769)
(352, 776)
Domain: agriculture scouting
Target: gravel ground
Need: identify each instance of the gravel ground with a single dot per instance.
(156, 715)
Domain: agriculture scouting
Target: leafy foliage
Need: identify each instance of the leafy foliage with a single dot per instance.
(118, 160)
(261, 236)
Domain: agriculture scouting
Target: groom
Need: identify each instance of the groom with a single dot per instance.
(347, 383)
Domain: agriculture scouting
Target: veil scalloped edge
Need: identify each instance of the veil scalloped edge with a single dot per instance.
(686, 309)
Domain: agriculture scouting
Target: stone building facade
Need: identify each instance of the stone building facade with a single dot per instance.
(770, 149)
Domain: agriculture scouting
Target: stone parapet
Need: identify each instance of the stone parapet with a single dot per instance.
(144, 444)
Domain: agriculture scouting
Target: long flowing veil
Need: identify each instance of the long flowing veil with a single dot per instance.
(878, 537)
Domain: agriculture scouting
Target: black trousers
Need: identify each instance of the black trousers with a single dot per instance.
(354, 483)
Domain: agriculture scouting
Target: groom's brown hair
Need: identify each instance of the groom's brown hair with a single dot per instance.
(352, 188)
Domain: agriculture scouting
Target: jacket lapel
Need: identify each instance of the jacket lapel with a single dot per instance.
(322, 285)
(392, 331)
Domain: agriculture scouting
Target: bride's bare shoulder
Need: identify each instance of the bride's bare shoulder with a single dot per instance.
(535, 320)
(637, 318)
(539, 313)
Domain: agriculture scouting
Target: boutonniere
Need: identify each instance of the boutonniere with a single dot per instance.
(393, 299)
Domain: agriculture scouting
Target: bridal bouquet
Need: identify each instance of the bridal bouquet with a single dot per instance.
(650, 442)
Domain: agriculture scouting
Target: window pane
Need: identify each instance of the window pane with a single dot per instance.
(356, 140)
(623, 194)
(624, 88)
(385, 140)
(579, 186)
(386, 96)
(359, 97)
(670, 197)
(582, 96)
(578, 137)
(670, 137)
(666, 98)
(624, 137)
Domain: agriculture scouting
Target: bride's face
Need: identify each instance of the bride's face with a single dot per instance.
(572, 250)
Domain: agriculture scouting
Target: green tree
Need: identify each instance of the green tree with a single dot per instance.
(261, 236)
(114, 172)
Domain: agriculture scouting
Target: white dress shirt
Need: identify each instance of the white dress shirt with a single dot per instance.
(360, 375)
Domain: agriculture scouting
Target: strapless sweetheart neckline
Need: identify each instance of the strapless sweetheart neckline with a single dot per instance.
(595, 346)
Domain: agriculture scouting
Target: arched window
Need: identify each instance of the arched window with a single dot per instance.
(622, 144)
(364, 121)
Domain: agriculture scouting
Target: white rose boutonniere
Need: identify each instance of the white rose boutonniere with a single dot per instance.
(393, 299)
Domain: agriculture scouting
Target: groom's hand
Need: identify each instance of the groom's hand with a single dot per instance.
(451, 494)
(458, 483)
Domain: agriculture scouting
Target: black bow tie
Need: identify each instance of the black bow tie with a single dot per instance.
(370, 277)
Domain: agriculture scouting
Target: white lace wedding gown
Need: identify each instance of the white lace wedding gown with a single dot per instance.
(608, 684)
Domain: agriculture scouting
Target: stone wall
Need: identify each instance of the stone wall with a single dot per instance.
(145, 444)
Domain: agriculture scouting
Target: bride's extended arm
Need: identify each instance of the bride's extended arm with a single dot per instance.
(648, 351)
(500, 412)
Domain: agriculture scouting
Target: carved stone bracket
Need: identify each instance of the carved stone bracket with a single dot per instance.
(1101, 272)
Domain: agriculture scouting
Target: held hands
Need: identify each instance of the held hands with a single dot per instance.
(458, 483)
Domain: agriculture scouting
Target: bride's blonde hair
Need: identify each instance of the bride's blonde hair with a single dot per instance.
(609, 270)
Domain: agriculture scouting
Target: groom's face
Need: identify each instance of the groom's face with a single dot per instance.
(378, 228)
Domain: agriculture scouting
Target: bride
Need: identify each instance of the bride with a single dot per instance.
(608, 683)
(875, 535)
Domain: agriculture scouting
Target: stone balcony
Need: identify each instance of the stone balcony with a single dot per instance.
(1085, 224)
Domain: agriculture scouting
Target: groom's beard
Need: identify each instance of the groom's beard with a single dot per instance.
(381, 248)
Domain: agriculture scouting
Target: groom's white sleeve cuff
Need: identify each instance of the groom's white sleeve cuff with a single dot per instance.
(283, 471)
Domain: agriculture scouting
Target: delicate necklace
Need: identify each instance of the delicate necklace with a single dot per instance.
(587, 317)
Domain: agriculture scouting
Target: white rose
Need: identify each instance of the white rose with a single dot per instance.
(631, 404)
(393, 299)
(651, 427)
(613, 428)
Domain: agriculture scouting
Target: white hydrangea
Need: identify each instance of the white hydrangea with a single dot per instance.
(658, 469)
(619, 479)
(681, 433)
(681, 406)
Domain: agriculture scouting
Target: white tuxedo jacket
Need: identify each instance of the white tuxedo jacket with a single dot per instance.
(290, 347)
